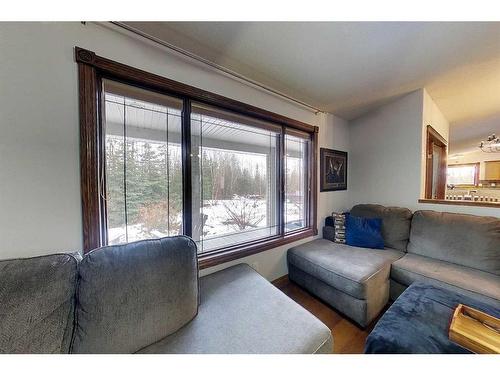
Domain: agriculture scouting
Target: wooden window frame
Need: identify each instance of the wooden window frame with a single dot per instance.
(92, 69)
(433, 137)
(476, 173)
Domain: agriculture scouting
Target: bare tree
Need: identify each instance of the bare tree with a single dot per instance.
(243, 213)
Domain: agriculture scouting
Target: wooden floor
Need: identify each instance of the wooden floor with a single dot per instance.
(348, 338)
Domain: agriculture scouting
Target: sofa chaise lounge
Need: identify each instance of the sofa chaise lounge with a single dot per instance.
(455, 251)
(146, 297)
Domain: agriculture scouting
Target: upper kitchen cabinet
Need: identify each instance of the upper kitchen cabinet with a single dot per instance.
(492, 170)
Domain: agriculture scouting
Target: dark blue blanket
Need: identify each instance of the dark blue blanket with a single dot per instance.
(418, 322)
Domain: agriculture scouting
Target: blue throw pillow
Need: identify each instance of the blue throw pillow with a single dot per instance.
(364, 232)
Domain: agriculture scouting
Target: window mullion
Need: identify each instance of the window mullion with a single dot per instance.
(187, 209)
(281, 181)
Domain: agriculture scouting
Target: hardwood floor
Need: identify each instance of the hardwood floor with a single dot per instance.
(348, 338)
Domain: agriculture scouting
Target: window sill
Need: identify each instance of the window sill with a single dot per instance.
(222, 256)
(460, 203)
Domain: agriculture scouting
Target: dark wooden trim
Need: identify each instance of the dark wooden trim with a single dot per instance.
(187, 205)
(281, 180)
(92, 69)
(156, 82)
(435, 134)
(214, 258)
(433, 137)
(89, 156)
(476, 172)
(313, 201)
(460, 203)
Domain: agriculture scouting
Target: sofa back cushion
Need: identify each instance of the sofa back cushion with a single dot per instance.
(468, 240)
(395, 223)
(364, 232)
(37, 298)
(130, 296)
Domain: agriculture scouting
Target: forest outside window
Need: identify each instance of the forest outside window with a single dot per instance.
(142, 164)
(234, 164)
(160, 158)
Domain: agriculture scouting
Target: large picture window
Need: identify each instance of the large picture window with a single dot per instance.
(143, 166)
(160, 158)
(234, 166)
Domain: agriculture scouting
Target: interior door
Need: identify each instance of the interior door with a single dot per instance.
(435, 184)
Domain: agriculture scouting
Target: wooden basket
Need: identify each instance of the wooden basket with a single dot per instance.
(475, 330)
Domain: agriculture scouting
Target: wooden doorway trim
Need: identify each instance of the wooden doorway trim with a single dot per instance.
(435, 139)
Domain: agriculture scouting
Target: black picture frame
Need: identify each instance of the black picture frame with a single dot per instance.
(333, 170)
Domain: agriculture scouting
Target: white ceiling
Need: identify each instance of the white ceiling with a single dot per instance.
(466, 136)
(347, 68)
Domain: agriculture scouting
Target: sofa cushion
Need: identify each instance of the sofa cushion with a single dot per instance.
(329, 233)
(364, 232)
(37, 303)
(130, 296)
(467, 240)
(352, 270)
(413, 268)
(241, 312)
(395, 222)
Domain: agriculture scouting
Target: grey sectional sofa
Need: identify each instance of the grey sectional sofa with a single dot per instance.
(455, 251)
(146, 297)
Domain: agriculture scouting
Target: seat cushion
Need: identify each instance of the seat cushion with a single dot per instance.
(37, 303)
(352, 270)
(130, 296)
(413, 268)
(241, 312)
(395, 223)
(467, 240)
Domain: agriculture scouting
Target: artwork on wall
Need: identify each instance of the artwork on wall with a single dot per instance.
(333, 174)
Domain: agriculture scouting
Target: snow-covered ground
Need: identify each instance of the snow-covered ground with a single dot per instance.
(218, 230)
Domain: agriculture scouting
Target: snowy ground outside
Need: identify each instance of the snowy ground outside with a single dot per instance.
(219, 229)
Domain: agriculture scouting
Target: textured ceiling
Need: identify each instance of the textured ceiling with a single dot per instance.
(347, 68)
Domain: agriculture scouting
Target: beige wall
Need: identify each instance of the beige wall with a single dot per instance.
(39, 162)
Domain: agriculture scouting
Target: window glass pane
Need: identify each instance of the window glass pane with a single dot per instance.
(234, 168)
(296, 183)
(461, 175)
(143, 164)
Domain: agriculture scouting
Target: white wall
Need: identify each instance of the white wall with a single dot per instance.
(386, 155)
(40, 210)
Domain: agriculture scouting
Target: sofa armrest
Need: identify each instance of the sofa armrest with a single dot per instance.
(329, 233)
